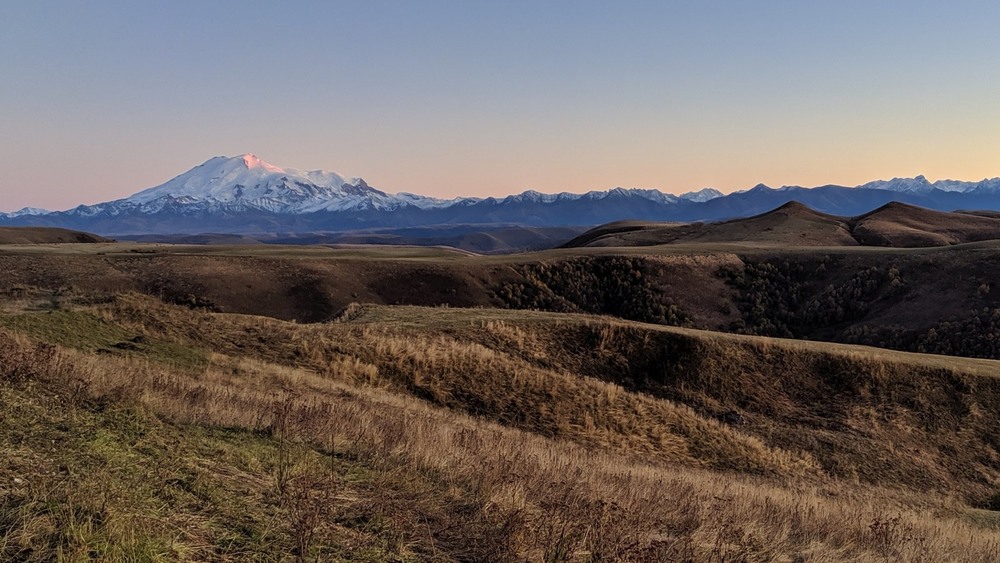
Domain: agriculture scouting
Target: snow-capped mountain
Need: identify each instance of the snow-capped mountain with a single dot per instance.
(244, 194)
(26, 212)
(229, 186)
(246, 183)
(532, 196)
(701, 195)
(920, 185)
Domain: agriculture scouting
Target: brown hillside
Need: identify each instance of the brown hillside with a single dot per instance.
(475, 433)
(646, 233)
(308, 284)
(900, 225)
(793, 224)
(905, 299)
(813, 406)
(137, 431)
(769, 407)
(487, 241)
(46, 235)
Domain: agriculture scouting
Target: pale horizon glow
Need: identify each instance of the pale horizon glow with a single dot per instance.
(453, 98)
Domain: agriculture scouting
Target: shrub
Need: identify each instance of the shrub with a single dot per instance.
(606, 285)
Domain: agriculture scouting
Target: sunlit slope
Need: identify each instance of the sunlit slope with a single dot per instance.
(413, 433)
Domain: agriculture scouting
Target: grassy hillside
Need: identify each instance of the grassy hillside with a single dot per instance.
(547, 373)
(941, 302)
(792, 224)
(46, 235)
(895, 225)
(935, 300)
(142, 430)
(484, 239)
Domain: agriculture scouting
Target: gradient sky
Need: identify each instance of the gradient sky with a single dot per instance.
(99, 99)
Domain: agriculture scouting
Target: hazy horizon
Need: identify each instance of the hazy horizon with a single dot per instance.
(502, 195)
(446, 99)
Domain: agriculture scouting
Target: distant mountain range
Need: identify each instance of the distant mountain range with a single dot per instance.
(246, 195)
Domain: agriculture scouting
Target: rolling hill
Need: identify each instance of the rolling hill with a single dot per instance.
(903, 226)
(372, 403)
(136, 430)
(932, 299)
(793, 224)
(480, 239)
(46, 235)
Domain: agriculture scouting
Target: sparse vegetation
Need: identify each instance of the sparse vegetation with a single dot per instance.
(880, 297)
(783, 298)
(563, 433)
(347, 441)
(607, 285)
(800, 298)
(976, 335)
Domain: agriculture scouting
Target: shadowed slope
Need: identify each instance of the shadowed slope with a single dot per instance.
(793, 224)
(786, 407)
(45, 235)
(790, 224)
(323, 453)
(900, 225)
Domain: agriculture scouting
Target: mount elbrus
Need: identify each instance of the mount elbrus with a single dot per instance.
(244, 194)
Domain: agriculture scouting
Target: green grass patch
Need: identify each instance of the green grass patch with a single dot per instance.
(986, 519)
(82, 330)
(176, 355)
(73, 329)
(106, 480)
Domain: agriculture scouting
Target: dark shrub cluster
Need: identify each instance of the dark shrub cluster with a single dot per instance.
(607, 285)
(977, 335)
(782, 298)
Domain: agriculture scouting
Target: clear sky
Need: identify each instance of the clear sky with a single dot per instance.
(99, 99)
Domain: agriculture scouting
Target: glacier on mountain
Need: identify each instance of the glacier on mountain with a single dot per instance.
(920, 185)
(246, 194)
(246, 183)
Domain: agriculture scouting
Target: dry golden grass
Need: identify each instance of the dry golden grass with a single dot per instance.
(484, 444)
(552, 497)
(791, 408)
(497, 385)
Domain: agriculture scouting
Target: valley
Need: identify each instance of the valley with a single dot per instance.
(930, 299)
